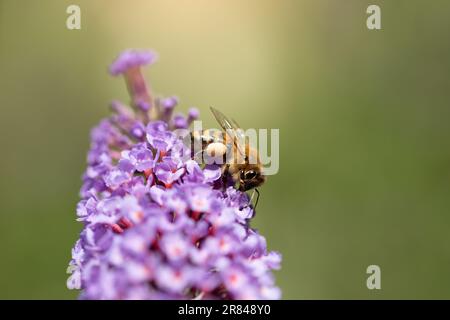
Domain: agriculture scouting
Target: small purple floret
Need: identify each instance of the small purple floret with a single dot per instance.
(132, 58)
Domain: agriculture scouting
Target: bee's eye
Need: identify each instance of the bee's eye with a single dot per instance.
(250, 175)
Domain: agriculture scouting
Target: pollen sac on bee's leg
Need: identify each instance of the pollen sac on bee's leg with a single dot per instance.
(215, 153)
(207, 147)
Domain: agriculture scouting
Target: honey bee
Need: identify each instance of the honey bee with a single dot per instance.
(244, 167)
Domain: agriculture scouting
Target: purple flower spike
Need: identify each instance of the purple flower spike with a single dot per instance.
(156, 224)
(130, 59)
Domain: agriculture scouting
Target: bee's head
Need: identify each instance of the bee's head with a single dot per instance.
(250, 177)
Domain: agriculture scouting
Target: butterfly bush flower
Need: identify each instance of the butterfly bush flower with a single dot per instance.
(157, 225)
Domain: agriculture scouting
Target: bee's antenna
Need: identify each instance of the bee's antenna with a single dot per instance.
(257, 199)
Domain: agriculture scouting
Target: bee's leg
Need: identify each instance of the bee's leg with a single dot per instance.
(194, 144)
(199, 143)
(257, 199)
(251, 198)
(225, 174)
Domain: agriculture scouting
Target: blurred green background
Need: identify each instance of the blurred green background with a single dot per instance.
(363, 116)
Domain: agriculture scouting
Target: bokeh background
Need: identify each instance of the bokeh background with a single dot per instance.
(363, 116)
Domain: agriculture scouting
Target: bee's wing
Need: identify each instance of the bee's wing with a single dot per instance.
(235, 124)
(232, 125)
(224, 122)
(239, 133)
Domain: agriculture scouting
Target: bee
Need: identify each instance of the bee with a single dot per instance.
(244, 167)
